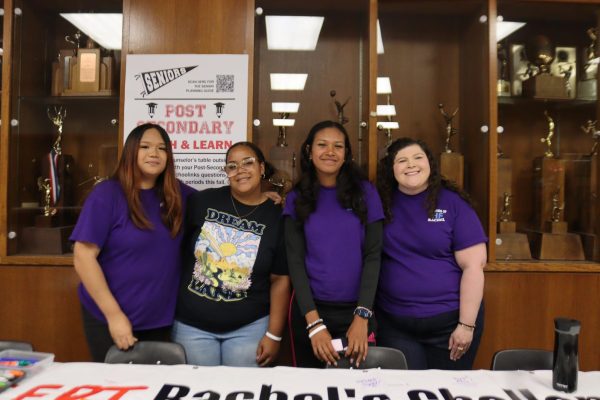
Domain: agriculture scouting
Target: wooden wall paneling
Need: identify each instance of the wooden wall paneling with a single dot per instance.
(520, 309)
(41, 307)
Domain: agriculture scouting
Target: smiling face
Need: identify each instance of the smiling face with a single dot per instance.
(412, 169)
(246, 178)
(151, 158)
(328, 152)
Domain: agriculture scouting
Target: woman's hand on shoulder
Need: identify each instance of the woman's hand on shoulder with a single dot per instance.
(277, 199)
(121, 331)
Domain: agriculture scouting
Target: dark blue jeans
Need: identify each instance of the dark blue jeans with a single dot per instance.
(424, 341)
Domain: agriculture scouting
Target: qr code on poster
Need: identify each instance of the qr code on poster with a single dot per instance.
(225, 83)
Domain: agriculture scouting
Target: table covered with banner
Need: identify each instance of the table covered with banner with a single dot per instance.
(92, 381)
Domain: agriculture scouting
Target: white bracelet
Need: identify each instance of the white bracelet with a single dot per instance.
(317, 330)
(273, 337)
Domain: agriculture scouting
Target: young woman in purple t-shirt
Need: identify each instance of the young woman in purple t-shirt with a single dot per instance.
(127, 241)
(333, 228)
(429, 300)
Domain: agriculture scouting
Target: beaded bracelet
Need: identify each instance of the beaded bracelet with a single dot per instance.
(317, 330)
(273, 337)
(314, 323)
(471, 327)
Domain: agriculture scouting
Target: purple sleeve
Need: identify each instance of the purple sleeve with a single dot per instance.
(95, 221)
(290, 204)
(467, 227)
(374, 207)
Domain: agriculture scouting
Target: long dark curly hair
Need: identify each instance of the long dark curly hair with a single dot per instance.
(387, 183)
(348, 182)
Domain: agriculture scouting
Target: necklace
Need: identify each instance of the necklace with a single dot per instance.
(238, 213)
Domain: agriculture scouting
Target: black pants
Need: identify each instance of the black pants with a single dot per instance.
(424, 341)
(99, 339)
(337, 317)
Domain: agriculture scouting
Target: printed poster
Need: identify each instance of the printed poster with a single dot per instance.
(200, 99)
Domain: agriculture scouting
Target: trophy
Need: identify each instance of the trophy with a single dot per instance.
(542, 83)
(52, 229)
(503, 86)
(451, 163)
(550, 237)
(565, 65)
(342, 119)
(587, 86)
(548, 139)
(281, 156)
(83, 71)
(590, 129)
(510, 245)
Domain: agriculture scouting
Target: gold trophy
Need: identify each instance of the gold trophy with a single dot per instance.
(281, 156)
(52, 228)
(548, 138)
(542, 84)
(451, 163)
(510, 245)
(550, 238)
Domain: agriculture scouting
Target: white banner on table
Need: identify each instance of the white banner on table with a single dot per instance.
(202, 102)
(185, 382)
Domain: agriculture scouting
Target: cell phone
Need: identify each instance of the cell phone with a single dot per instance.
(339, 344)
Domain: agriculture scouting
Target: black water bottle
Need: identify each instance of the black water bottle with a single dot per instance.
(566, 355)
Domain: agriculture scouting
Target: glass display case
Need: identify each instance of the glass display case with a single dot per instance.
(325, 45)
(547, 157)
(63, 119)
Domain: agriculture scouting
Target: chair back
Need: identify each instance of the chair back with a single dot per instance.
(377, 357)
(15, 345)
(148, 352)
(524, 359)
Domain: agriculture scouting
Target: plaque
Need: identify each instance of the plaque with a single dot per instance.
(90, 73)
(451, 163)
(542, 83)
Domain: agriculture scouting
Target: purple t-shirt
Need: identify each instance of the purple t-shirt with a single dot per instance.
(334, 239)
(141, 266)
(419, 275)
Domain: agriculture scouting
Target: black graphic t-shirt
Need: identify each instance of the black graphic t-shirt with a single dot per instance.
(229, 255)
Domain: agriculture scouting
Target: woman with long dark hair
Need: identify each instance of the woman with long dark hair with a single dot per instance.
(127, 246)
(429, 300)
(333, 229)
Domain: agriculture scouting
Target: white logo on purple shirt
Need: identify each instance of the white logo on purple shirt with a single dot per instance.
(438, 216)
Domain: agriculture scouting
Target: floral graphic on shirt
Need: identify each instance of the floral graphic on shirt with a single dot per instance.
(225, 258)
